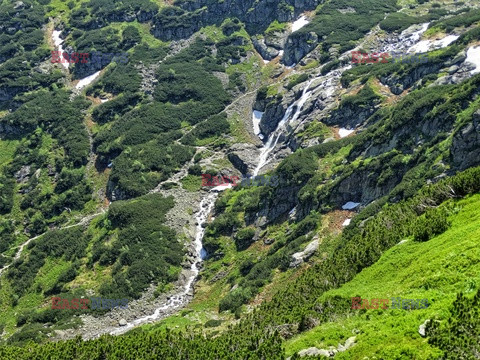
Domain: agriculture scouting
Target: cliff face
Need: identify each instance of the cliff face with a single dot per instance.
(187, 17)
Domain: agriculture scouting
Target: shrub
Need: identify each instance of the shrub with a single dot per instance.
(244, 238)
(432, 223)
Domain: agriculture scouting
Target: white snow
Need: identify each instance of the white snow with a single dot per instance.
(346, 222)
(56, 38)
(87, 80)
(420, 47)
(58, 43)
(256, 117)
(473, 56)
(299, 23)
(426, 45)
(417, 34)
(222, 187)
(447, 40)
(350, 205)
(344, 132)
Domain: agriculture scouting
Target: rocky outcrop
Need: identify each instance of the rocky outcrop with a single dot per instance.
(182, 20)
(267, 52)
(298, 45)
(273, 113)
(285, 200)
(302, 256)
(351, 116)
(8, 93)
(422, 328)
(399, 83)
(243, 157)
(465, 150)
(7, 130)
(330, 352)
(270, 45)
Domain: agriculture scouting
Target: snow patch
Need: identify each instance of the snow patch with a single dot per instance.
(344, 132)
(473, 57)
(257, 116)
(87, 80)
(222, 187)
(299, 23)
(417, 34)
(350, 205)
(57, 40)
(427, 45)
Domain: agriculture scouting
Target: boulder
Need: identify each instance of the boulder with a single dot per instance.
(243, 157)
(298, 45)
(302, 256)
(422, 328)
(313, 351)
(465, 148)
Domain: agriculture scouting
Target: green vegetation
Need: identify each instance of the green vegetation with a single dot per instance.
(343, 29)
(296, 79)
(411, 271)
(275, 26)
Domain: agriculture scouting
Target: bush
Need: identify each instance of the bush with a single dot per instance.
(244, 238)
(433, 222)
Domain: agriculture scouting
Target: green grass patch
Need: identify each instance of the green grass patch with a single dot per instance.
(435, 270)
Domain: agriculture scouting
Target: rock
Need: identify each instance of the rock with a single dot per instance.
(19, 5)
(268, 241)
(460, 58)
(273, 113)
(330, 352)
(421, 328)
(267, 52)
(122, 322)
(313, 351)
(243, 157)
(465, 148)
(298, 45)
(453, 69)
(398, 84)
(352, 116)
(219, 276)
(60, 333)
(22, 175)
(304, 255)
(348, 344)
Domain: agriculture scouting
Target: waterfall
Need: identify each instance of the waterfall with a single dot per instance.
(275, 136)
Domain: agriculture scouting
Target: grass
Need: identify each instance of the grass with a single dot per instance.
(239, 130)
(435, 270)
(276, 26)
(7, 150)
(316, 129)
(192, 183)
